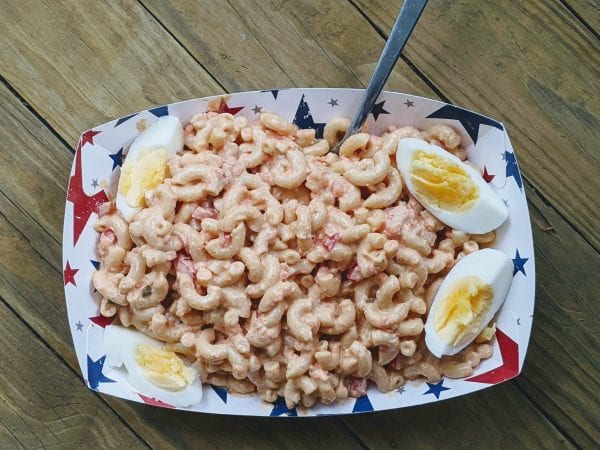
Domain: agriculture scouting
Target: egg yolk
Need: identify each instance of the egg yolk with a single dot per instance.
(147, 172)
(486, 334)
(462, 309)
(164, 368)
(442, 183)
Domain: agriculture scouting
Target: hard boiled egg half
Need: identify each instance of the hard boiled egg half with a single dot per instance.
(468, 298)
(448, 188)
(153, 370)
(146, 162)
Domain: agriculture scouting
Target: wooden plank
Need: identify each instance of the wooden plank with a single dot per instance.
(65, 76)
(93, 61)
(495, 418)
(255, 44)
(43, 404)
(563, 364)
(588, 11)
(531, 65)
(31, 285)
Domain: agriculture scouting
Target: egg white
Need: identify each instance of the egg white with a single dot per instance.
(487, 214)
(493, 267)
(166, 133)
(119, 346)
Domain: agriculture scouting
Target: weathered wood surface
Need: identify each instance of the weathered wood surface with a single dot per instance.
(84, 66)
(532, 66)
(43, 403)
(90, 53)
(588, 11)
(563, 360)
(257, 44)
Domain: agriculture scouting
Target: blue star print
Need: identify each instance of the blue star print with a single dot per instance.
(160, 111)
(436, 389)
(95, 183)
(79, 326)
(96, 264)
(275, 92)
(470, 121)
(221, 392)
(304, 119)
(280, 408)
(123, 119)
(409, 104)
(362, 404)
(512, 169)
(519, 264)
(95, 375)
(378, 109)
(117, 159)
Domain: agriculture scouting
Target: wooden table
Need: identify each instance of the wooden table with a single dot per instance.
(71, 64)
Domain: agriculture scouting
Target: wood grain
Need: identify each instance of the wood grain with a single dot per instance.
(43, 404)
(93, 61)
(30, 282)
(563, 362)
(587, 10)
(530, 65)
(495, 418)
(255, 44)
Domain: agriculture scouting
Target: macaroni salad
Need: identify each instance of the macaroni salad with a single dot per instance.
(280, 268)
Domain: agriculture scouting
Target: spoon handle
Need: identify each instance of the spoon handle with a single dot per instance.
(401, 31)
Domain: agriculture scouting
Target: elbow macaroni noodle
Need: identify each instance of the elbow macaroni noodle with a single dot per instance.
(283, 269)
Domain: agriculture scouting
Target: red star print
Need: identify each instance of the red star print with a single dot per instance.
(102, 321)
(88, 137)
(488, 177)
(83, 205)
(69, 275)
(509, 350)
(154, 402)
(223, 108)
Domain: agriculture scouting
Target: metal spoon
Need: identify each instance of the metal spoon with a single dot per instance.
(401, 31)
